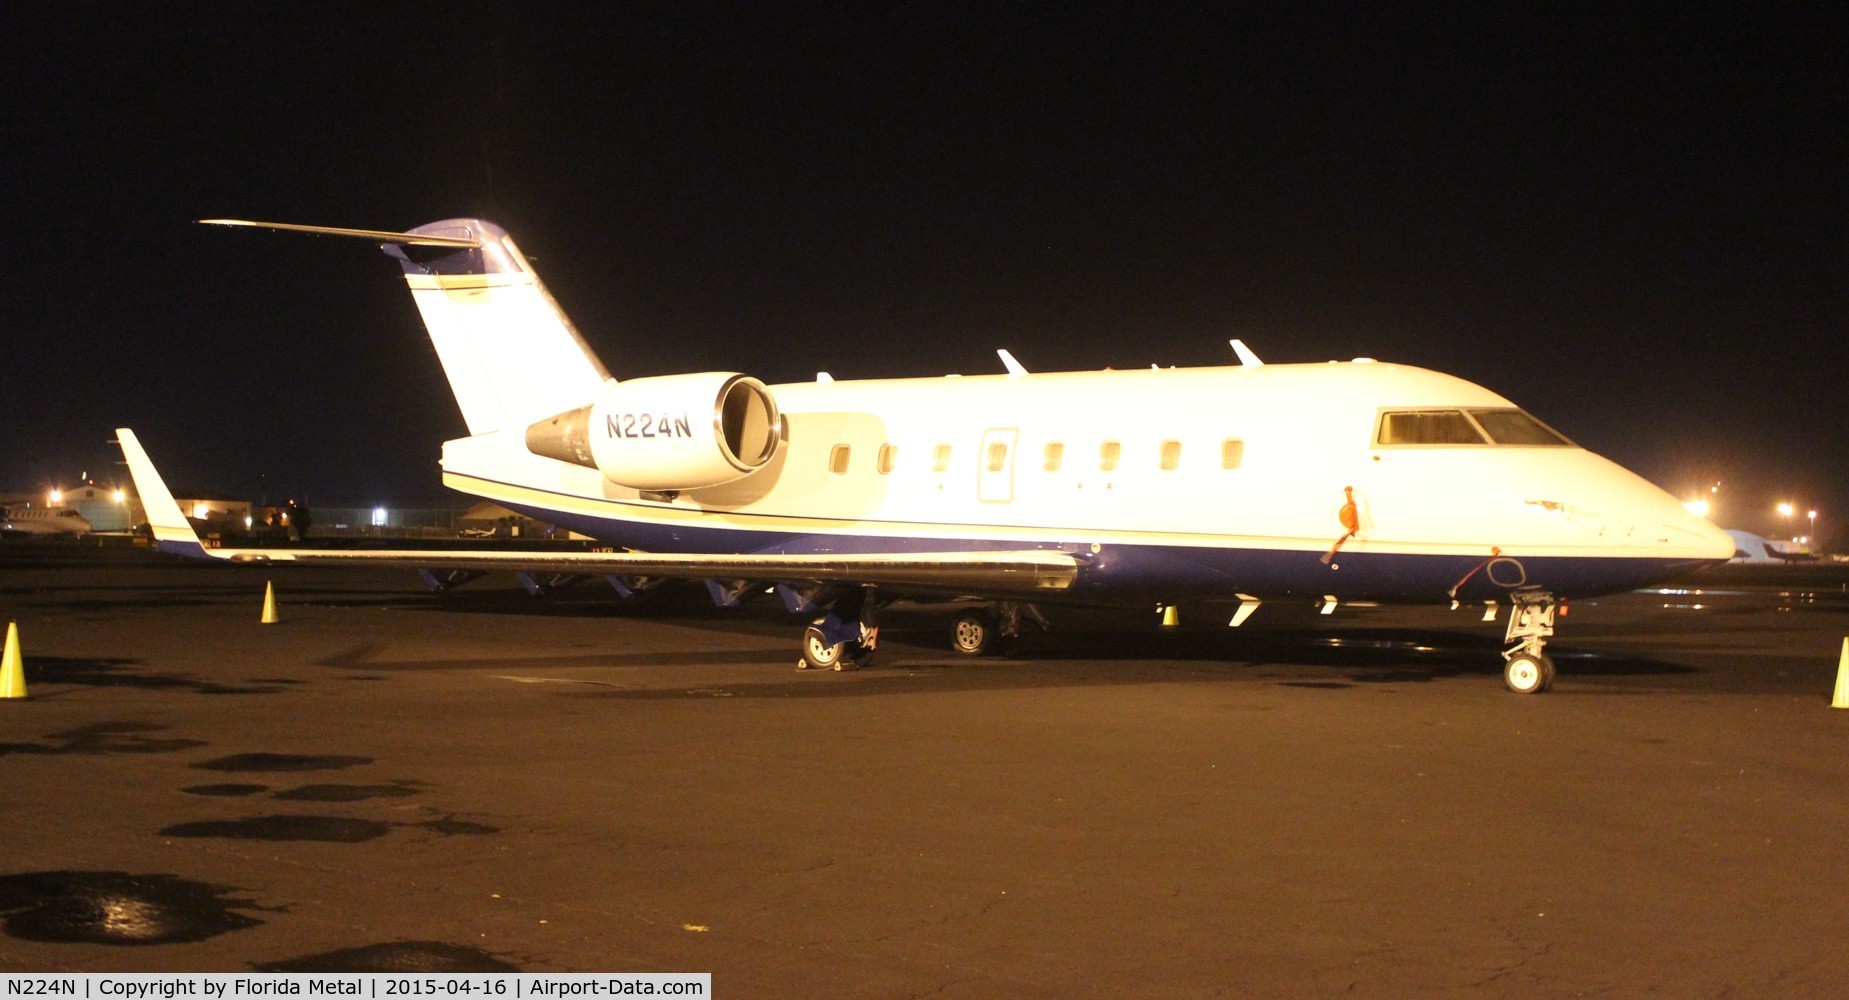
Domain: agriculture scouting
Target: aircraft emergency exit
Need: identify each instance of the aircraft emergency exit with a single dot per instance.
(1354, 481)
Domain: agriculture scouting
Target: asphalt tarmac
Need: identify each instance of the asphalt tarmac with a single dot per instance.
(1310, 806)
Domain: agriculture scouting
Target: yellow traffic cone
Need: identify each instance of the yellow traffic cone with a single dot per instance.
(269, 604)
(1841, 700)
(1170, 617)
(12, 669)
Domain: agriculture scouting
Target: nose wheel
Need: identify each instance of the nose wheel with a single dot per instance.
(1527, 669)
(1528, 673)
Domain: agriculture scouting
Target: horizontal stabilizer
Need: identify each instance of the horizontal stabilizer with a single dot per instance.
(374, 235)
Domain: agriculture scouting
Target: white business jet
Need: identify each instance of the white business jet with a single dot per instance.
(42, 521)
(1356, 481)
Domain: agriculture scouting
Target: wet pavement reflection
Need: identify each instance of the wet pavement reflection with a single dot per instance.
(117, 908)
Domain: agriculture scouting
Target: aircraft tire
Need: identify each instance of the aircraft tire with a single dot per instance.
(975, 634)
(1528, 673)
(818, 654)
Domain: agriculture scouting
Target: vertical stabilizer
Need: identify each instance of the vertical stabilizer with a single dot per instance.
(511, 355)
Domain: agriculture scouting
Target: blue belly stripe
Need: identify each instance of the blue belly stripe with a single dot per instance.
(1134, 571)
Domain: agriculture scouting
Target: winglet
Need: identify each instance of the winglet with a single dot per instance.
(1015, 368)
(1246, 357)
(172, 532)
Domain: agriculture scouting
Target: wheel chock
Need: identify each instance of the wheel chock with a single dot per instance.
(269, 605)
(1840, 700)
(12, 668)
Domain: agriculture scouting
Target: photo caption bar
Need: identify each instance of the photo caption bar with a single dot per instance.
(363, 985)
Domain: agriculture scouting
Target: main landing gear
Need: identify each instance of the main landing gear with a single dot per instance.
(986, 631)
(1527, 668)
(843, 639)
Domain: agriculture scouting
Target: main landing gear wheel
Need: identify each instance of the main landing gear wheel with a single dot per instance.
(819, 655)
(1528, 673)
(976, 634)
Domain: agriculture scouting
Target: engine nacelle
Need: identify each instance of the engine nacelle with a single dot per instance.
(668, 433)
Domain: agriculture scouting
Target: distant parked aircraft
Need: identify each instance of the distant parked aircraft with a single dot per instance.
(42, 521)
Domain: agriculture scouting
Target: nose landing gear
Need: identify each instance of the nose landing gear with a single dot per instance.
(1527, 669)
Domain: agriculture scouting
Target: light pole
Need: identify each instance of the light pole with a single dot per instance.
(1816, 545)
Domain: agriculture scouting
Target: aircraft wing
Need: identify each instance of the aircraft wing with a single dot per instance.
(1026, 572)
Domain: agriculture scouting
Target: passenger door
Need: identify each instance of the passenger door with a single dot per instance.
(995, 465)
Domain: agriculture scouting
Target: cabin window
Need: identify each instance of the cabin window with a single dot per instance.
(998, 456)
(888, 453)
(1232, 452)
(837, 460)
(1052, 456)
(1171, 455)
(1108, 454)
(940, 458)
(1428, 427)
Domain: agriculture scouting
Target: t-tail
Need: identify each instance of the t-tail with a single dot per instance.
(511, 355)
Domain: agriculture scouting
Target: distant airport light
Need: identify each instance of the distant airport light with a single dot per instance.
(119, 496)
(200, 511)
(248, 521)
(1698, 507)
(1785, 509)
(57, 496)
(378, 517)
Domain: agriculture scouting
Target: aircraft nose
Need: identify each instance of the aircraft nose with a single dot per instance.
(1716, 544)
(1699, 534)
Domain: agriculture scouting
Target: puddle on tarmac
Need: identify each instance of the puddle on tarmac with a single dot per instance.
(327, 829)
(457, 827)
(117, 908)
(118, 672)
(225, 791)
(281, 762)
(345, 793)
(398, 956)
(105, 738)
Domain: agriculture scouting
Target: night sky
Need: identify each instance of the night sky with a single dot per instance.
(1630, 219)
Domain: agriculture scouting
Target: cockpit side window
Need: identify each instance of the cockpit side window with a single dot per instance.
(1465, 427)
(1428, 427)
(1516, 427)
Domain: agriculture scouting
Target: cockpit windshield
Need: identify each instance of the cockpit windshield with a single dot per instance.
(1464, 427)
